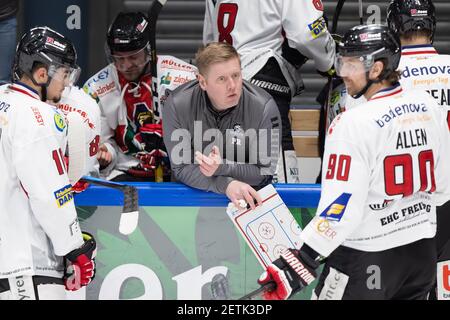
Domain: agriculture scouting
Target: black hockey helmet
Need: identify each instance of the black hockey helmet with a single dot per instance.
(411, 15)
(372, 43)
(46, 46)
(128, 32)
(362, 46)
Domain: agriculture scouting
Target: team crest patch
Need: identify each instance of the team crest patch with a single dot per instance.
(63, 195)
(336, 210)
(59, 122)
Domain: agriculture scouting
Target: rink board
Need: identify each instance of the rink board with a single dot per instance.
(183, 239)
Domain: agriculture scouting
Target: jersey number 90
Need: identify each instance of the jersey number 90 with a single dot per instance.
(399, 175)
(398, 172)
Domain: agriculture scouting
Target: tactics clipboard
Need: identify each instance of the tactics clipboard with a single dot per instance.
(268, 229)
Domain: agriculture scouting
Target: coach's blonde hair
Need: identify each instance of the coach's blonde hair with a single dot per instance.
(212, 53)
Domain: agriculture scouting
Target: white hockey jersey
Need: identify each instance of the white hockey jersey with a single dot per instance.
(76, 100)
(107, 91)
(255, 29)
(385, 169)
(424, 69)
(38, 221)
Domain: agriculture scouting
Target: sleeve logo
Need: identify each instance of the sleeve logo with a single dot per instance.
(63, 195)
(336, 210)
(59, 122)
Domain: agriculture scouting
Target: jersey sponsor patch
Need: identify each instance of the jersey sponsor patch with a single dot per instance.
(323, 228)
(38, 116)
(317, 27)
(60, 124)
(63, 195)
(336, 210)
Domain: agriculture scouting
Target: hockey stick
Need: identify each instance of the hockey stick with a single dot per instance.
(269, 286)
(130, 212)
(220, 289)
(361, 14)
(327, 108)
(76, 144)
(153, 14)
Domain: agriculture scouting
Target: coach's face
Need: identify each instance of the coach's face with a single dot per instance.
(223, 83)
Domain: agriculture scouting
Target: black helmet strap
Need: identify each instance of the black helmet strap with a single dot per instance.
(42, 85)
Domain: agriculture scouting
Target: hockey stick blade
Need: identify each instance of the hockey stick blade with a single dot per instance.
(130, 212)
(220, 290)
(76, 144)
(270, 286)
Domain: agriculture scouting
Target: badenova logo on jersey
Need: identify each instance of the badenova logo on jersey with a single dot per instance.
(398, 111)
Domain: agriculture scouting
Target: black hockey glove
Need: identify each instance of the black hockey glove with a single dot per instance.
(80, 264)
(152, 136)
(293, 271)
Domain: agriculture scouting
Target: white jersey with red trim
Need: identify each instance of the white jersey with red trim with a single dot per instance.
(424, 69)
(123, 106)
(38, 221)
(385, 169)
(255, 29)
(76, 100)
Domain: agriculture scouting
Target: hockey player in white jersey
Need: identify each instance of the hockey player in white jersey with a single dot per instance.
(259, 41)
(423, 68)
(42, 249)
(385, 170)
(131, 144)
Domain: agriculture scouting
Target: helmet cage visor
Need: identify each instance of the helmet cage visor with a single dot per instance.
(129, 59)
(63, 73)
(351, 64)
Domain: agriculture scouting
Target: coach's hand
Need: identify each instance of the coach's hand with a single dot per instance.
(238, 190)
(209, 164)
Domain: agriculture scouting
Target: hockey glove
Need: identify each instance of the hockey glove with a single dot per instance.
(80, 264)
(293, 271)
(152, 136)
(80, 186)
(151, 160)
(327, 74)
